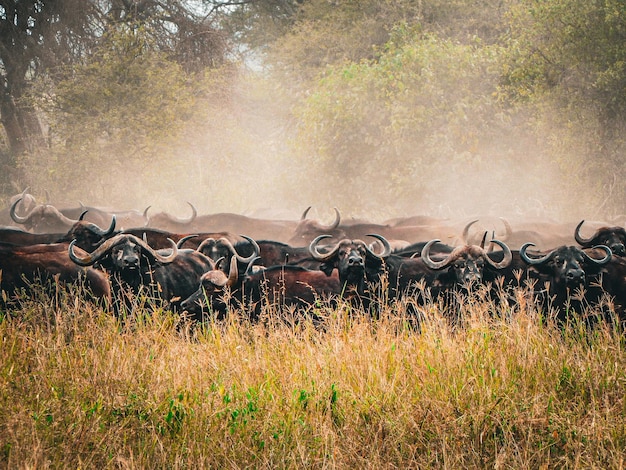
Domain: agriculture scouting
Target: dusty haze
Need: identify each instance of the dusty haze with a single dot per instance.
(244, 157)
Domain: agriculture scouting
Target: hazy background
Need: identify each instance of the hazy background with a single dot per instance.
(381, 109)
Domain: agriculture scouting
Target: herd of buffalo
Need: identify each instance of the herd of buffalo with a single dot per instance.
(204, 264)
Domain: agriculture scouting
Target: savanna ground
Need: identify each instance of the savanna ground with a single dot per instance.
(82, 389)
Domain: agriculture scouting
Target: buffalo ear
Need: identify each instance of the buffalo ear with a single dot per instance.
(327, 268)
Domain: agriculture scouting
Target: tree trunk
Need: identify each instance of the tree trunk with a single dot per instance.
(9, 116)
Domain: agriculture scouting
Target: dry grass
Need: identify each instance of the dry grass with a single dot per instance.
(81, 390)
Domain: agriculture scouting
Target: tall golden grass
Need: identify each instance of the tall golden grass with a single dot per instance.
(82, 389)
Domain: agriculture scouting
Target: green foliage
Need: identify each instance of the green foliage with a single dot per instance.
(573, 48)
(566, 61)
(126, 93)
(451, 98)
(377, 106)
(423, 103)
(121, 111)
(322, 32)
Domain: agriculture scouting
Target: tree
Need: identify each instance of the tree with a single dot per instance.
(574, 50)
(566, 61)
(34, 35)
(424, 111)
(40, 39)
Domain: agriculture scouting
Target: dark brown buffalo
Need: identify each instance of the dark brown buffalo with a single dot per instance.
(212, 283)
(356, 264)
(467, 263)
(563, 276)
(26, 267)
(86, 234)
(43, 218)
(275, 253)
(259, 229)
(268, 290)
(222, 251)
(132, 263)
(613, 237)
(613, 283)
(171, 275)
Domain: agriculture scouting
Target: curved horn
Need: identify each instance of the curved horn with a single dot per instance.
(602, 261)
(482, 242)
(194, 214)
(154, 253)
(579, 239)
(507, 227)
(98, 253)
(466, 231)
(233, 272)
(533, 261)
(111, 228)
(335, 224)
(386, 246)
(226, 242)
(507, 258)
(16, 218)
(249, 268)
(83, 214)
(435, 264)
(319, 256)
(182, 241)
(145, 216)
(101, 232)
(304, 214)
(81, 261)
(204, 243)
(255, 246)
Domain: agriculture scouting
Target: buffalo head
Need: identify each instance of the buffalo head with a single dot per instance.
(43, 218)
(308, 229)
(212, 283)
(566, 265)
(165, 221)
(123, 253)
(613, 237)
(88, 235)
(467, 261)
(222, 248)
(354, 260)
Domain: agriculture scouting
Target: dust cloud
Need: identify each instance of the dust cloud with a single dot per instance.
(244, 157)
